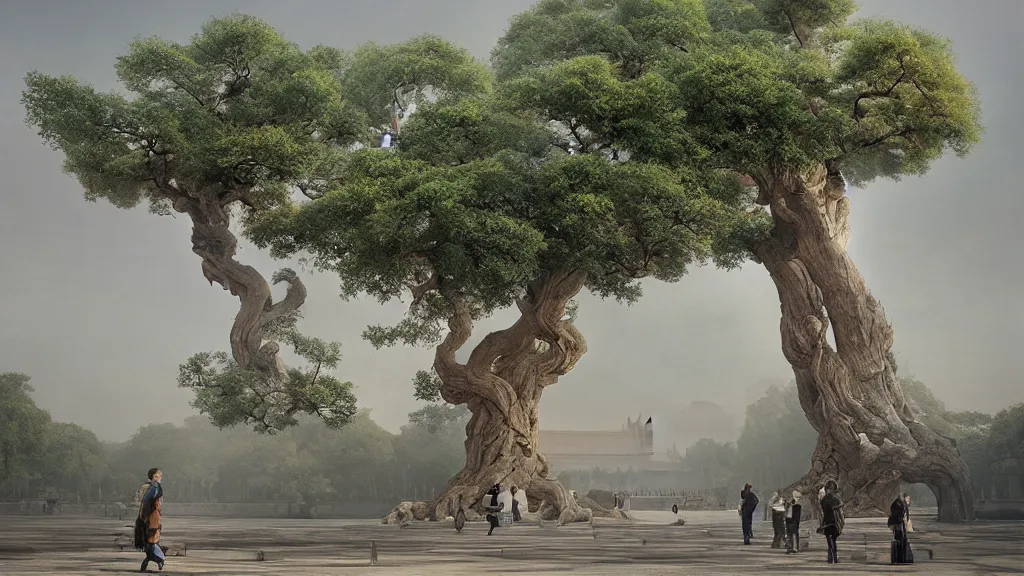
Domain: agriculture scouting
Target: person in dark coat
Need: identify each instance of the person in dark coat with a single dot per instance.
(899, 514)
(793, 512)
(832, 520)
(493, 508)
(149, 492)
(516, 515)
(747, 507)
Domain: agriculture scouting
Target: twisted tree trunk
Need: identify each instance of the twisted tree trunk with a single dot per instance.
(869, 439)
(502, 384)
(213, 241)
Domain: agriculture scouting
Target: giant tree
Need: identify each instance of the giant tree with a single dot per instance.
(234, 120)
(521, 197)
(799, 103)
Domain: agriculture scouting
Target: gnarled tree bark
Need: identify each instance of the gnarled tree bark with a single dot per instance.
(213, 241)
(869, 440)
(502, 384)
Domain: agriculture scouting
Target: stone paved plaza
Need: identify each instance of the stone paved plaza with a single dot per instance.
(708, 544)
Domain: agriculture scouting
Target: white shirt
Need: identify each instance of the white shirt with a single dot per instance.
(385, 142)
(505, 498)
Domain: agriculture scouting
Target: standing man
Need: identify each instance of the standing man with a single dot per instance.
(778, 507)
(793, 512)
(747, 507)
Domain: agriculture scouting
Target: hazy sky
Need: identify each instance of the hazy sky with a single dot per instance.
(100, 306)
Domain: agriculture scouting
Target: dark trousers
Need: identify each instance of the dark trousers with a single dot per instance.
(901, 551)
(793, 536)
(831, 535)
(153, 554)
(778, 527)
(747, 519)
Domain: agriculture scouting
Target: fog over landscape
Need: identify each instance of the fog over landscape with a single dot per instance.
(100, 306)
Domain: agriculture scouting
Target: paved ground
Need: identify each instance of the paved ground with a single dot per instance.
(648, 546)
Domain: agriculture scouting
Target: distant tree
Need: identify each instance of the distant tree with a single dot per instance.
(232, 122)
(715, 462)
(23, 428)
(435, 418)
(72, 462)
(1005, 446)
(775, 441)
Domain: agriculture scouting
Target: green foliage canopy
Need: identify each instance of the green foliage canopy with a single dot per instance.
(308, 463)
(239, 118)
(230, 395)
(767, 85)
(481, 197)
(238, 108)
(23, 425)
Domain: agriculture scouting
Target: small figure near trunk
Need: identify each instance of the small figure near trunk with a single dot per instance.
(493, 508)
(793, 512)
(516, 515)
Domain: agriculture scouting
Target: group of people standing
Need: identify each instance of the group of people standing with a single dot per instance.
(786, 514)
(494, 505)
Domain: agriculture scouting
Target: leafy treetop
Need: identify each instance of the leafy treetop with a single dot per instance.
(238, 110)
(766, 85)
(238, 116)
(481, 199)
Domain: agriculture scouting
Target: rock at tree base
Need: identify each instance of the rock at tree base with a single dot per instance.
(407, 511)
(603, 498)
(174, 550)
(597, 510)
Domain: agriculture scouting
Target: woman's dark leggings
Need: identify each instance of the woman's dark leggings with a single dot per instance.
(831, 535)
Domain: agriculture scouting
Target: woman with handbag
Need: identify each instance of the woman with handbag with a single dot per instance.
(832, 520)
(899, 523)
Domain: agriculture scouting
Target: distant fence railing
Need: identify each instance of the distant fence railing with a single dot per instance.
(713, 498)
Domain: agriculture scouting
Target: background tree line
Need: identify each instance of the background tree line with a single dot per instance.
(776, 443)
(311, 463)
